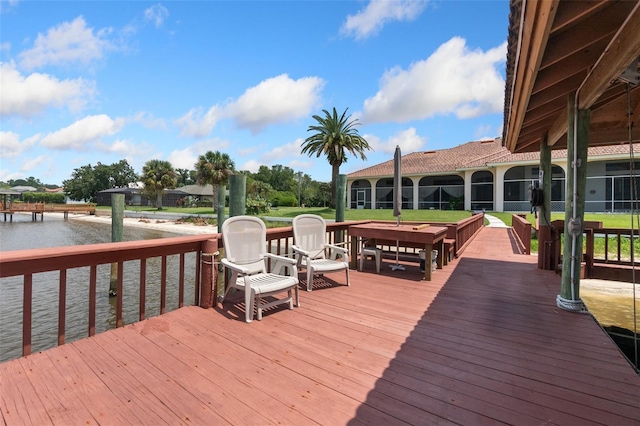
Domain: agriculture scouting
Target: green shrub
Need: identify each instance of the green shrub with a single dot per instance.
(257, 207)
(43, 197)
(283, 199)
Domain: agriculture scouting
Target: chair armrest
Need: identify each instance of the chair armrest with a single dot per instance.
(335, 251)
(237, 268)
(282, 262)
(297, 249)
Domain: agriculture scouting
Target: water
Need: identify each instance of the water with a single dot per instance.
(22, 234)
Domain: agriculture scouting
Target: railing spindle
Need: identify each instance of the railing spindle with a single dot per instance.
(120, 290)
(62, 306)
(93, 273)
(163, 285)
(143, 289)
(181, 282)
(26, 314)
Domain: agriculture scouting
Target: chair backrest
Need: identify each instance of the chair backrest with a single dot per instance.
(309, 232)
(245, 240)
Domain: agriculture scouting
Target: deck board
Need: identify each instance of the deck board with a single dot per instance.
(482, 343)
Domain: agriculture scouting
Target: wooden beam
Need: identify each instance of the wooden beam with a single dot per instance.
(623, 49)
(538, 20)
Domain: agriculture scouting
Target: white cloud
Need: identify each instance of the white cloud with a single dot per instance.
(252, 165)
(283, 151)
(196, 124)
(183, 158)
(35, 163)
(80, 134)
(29, 96)
(275, 100)
(12, 146)
(147, 120)
(372, 18)
(69, 42)
(156, 14)
(408, 141)
(454, 80)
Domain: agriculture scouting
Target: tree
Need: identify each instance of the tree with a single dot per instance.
(87, 181)
(122, 174)
(185, 177)
(158, 175)
(214, 168)
(335, 136)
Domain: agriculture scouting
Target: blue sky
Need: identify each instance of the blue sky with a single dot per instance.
(83, 82)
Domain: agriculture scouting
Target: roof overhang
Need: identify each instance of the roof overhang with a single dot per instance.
(558, 48)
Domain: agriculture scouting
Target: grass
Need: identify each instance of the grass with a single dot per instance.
(608, 220)
(325, 212)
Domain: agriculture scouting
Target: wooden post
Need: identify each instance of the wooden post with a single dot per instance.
(209, 274)
(544, 216)
(222, 196)
(577, 144)
(117, 223)
(237, 195)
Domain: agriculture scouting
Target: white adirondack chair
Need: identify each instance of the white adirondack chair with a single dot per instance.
(310, 247)
(245, 242)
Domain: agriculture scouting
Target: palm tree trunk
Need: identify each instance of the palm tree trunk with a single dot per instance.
(335, 170)
(159, 200)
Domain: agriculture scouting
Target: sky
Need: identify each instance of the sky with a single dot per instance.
(87, 82)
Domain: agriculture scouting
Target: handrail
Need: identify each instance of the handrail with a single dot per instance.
(522, 228)
(27, 263)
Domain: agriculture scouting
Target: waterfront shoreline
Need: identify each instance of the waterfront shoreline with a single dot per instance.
(173, 226)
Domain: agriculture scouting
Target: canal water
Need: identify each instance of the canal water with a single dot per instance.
(22, 234)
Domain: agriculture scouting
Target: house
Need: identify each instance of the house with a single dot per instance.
(135, 197)
(485, 175)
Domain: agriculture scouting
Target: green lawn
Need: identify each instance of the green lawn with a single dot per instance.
(327, 213)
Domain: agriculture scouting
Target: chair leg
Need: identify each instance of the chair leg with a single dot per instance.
(348, 282)
(309, 278)
(249, 298)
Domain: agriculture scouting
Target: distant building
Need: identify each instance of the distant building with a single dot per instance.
(484, 175)
(135, 197)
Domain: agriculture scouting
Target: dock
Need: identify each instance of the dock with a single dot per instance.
(40, 208)
(482, 343)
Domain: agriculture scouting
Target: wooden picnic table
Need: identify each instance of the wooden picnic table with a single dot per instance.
(427, 237)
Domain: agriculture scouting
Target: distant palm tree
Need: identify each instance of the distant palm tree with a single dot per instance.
(158, 175)
(214, 168)
(334, 137)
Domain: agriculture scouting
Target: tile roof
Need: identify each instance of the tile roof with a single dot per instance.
(472, 155)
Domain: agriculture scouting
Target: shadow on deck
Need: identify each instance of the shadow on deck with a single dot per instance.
(483, 343)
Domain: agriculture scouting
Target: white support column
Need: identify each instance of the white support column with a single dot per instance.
(467, 189)
(416, 181)
(498, 188)
(373, 192)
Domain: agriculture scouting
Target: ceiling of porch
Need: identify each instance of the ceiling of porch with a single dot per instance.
(557, 48)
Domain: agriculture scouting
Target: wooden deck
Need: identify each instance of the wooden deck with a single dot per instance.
(483, 343)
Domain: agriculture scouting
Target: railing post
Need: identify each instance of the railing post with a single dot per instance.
(208, 274)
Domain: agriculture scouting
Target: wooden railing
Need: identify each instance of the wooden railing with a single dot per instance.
(522, 228)
(27, 263)
(618, 247)
(465, 230)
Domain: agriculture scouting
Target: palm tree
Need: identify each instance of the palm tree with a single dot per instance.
(334, 137)
(214, 168)
(158, 175)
